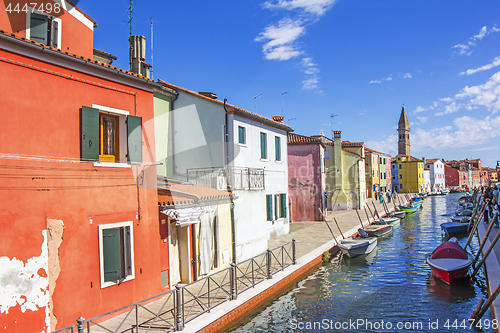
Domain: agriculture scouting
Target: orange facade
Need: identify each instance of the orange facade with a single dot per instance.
(56, 207)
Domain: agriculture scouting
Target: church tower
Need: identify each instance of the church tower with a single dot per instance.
(404, 134)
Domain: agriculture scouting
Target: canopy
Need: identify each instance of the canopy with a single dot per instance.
(185, 216)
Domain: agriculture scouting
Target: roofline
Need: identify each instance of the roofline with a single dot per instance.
(234, 109)
(80, 60)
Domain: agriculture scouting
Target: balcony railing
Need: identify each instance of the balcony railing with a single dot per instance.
(239, 178)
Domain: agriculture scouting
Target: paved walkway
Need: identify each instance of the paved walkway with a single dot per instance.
(311, 235)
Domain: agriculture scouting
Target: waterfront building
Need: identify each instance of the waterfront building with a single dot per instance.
(410, 173)
(216, 144)
(307, 177)
(77, 151)
(378, 172)
(437, 173)
(427, 180)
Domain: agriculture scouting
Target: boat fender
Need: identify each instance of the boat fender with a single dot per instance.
(382, 221)
(453, 239)
(362, 233)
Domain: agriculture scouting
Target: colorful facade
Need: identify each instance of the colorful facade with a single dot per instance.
(410, 173)
(78, 152)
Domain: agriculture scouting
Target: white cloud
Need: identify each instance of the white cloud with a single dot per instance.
(281, 38)
(388, 146)
(419, 109)
(375, 81)
(407, 76)
(388, 78)
(312, 78)
(494, 63)
(465, 49)
(423, 119)
(315, 7)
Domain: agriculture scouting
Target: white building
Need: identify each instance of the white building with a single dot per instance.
(215, 144)
(437, 175)
(427, 180)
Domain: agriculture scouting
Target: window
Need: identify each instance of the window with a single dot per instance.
(116, 253)
(393, 176)
(277, 147)
(400, 176)
(400, 166)
(263, 146)
(43, 28)
(400, 186)
(394, 166)
(110, 135)
(242, 135)
(269, 207)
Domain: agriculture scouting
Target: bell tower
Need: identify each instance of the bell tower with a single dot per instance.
(404, 134)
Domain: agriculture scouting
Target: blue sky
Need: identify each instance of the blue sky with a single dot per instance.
(359, 60)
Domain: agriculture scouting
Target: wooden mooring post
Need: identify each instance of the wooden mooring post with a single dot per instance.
(476, 316)
(483, 242)
(476, 224)
(375, 209)
(486, 254)
(367, 217)
(338, 226)
(324, 218)
(360, 221)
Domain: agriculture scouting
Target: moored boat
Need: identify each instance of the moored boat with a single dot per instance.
(461, 219)
(377, 230)
(449, 261)
(400, 214)
(408, 209)
(455, 228)
(353, 247)
(389, 221)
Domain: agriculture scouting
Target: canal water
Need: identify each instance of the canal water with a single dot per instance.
(390, 290)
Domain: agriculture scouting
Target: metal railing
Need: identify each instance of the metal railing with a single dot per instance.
(238, 177)
(170, 311)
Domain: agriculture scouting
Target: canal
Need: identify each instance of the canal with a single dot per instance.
(389, 290)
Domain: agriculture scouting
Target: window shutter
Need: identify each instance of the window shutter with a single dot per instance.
(54, 33)
(39, 28)
(277, 145)
(241, 135)
(111, 254)
(283, 205)
(269, 206)
(263, 148)
(134, 137)
(89, 131)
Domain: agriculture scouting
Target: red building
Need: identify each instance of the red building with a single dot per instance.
(79, 223)
(306, 176)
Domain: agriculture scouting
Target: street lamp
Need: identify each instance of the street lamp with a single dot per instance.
(255, 100)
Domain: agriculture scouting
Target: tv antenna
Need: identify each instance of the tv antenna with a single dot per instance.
(285, 92)
(255, 100)
(130, 10)
(290, 120)
(151, 71)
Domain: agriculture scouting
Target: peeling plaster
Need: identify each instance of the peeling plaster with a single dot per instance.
(25, 284)
(55, 229)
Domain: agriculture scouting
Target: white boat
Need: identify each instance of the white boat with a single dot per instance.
(394, 221)
(460, 219)
(353, 247)
(378, 230)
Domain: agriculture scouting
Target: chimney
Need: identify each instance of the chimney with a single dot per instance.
(208, 94)
(278, 119)
(138, 55)
(423, 159)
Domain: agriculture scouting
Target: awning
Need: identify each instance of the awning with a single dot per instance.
(185, 216)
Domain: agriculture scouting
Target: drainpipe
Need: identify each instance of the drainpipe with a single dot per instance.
(233, 227)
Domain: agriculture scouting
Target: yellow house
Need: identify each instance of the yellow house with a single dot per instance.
(410, 174)
(372, 169)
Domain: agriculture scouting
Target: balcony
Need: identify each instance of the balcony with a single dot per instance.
(239, 178)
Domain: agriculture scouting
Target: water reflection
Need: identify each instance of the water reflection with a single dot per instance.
(391, 285)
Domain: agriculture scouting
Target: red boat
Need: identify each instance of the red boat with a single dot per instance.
(449, 261)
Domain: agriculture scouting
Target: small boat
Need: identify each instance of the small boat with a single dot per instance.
(400, 214)
(449, 261)
(455, 228)
(408, 209)
(461, 219)
(466, 198)
(422, 195)
(431, 194)
(378, 230)
(353, 247)
(464, 212)
(445, 192)
(393, 221)
(417, 199)
(417, 204)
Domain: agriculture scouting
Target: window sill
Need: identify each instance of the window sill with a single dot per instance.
(242, 145)
(112, 165)
(264, 160)
(109, 283)
(279, 162)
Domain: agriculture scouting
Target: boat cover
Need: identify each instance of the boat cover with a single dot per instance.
(449, 250)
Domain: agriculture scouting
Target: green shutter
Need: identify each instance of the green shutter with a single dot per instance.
(283, 205)
(134, 137)
(269, 207)
(89, 130)
(112, 254)
(263, 146)
(39, 28)
(241, 135)
(277, 146)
